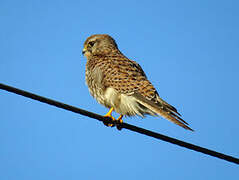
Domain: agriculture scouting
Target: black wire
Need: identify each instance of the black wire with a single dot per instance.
(123, 125)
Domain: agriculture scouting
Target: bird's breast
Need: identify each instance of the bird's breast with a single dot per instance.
(94, 78)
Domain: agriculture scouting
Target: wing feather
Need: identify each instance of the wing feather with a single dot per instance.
(161, 110)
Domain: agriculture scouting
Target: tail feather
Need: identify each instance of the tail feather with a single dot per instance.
(177, 117)
(163, 109)
(170, 107)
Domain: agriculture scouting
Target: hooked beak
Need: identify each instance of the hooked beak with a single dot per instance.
(83, 51)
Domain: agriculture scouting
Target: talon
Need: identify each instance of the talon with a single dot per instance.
(120, 121)
(110, 116)
(108, 124)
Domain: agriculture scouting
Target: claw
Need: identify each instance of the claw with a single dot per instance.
(120, 121)
(109, 114)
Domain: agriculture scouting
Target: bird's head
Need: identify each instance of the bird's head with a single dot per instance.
(99, 44)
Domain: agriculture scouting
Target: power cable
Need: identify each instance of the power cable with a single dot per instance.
(119, 125)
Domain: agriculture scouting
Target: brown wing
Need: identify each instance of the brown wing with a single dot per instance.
(127, 77)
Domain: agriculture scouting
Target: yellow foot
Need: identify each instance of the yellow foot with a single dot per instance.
(120, 121)
(110, 116)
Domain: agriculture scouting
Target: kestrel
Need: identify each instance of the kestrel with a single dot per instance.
(120, 84)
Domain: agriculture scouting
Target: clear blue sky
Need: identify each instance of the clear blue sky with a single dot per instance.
(188, 49)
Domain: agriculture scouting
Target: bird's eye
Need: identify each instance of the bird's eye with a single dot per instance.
(91, 43)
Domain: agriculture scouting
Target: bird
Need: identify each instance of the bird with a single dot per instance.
(121, 85)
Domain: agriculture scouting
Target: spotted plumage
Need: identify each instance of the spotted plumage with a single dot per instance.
(121, 84)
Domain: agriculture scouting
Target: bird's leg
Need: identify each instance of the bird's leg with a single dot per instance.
(109, 114)
(120, 121)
